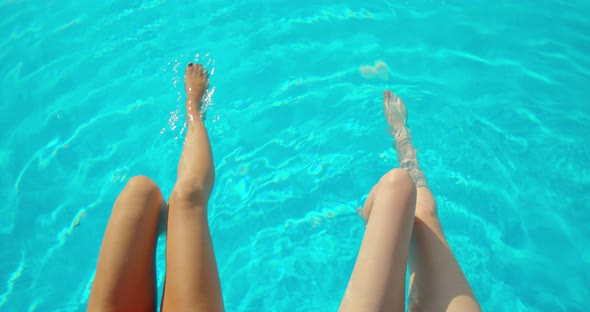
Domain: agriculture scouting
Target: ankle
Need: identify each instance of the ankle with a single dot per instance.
(195, 97)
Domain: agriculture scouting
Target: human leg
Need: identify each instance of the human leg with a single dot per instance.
(192, 280)
(437, 282)
(125, 273)
(377, 282)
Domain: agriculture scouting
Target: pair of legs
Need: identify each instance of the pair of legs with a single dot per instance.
(400, 212)
(402, 224)
(125, 274)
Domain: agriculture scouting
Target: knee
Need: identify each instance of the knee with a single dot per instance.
(426, 208)
(188, 192)
(399, 179)
(140, 186)
(140, 196)
(396, 186)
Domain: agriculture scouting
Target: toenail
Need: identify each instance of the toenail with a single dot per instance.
(190, 64)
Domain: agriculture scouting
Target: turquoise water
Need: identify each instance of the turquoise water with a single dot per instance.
(497, 95)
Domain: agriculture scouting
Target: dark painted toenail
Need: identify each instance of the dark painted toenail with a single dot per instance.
(190, 64)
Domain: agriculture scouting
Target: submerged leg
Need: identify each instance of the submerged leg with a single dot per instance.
(437, 282)
(125, 274)
(192, 281)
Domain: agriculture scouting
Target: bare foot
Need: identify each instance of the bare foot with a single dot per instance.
(394, 110)
(196, 81)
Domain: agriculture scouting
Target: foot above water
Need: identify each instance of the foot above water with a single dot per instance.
(196, 81)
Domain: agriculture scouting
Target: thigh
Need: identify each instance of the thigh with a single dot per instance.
(377, 282)
(437, 282)
(125, 273)
(192, 279)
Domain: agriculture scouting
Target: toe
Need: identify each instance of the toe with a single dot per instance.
(386, 100)
(189, 68)
(387, 95)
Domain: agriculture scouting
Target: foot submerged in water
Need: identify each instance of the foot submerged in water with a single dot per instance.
(394, 110)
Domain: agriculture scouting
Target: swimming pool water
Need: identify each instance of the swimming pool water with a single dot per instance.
(497, 94)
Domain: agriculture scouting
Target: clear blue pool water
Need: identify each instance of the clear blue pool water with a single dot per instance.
(497, 94)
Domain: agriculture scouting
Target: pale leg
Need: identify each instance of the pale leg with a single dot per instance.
(378, 279)
(437, 282)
